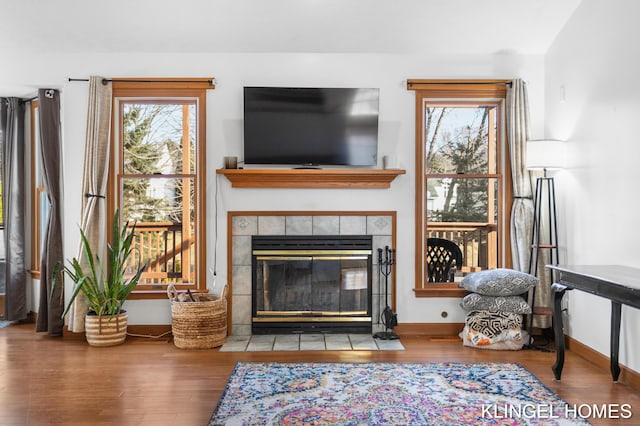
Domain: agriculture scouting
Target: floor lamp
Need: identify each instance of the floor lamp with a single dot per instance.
(543, 155)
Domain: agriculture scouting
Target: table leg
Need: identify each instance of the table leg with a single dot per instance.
(558, 328)
(616, 314)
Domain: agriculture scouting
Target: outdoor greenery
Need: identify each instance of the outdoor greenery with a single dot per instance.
(140, 158)
(152, 149)
(458, 148)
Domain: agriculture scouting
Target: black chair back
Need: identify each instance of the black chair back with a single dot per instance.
(444, 257)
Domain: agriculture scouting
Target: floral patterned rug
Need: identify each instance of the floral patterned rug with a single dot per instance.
(381, 393)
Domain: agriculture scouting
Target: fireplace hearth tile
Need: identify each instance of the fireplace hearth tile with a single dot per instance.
(287, 342)
(235, 344)
(338, 342)
(389, 345)
(309, 342)
(312, 342)
(362, 342)
(261, 343)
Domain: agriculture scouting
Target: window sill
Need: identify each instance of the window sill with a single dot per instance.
(148, 294)
(159, 294)
(441, 290)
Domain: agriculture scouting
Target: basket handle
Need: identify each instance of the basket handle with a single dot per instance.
(223, 295)
(172, 293)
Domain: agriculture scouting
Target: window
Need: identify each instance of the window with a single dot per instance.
(2, 238)
(39, 201)
(158, 178)
(461, 190)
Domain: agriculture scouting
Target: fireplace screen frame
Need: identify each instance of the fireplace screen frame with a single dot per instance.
(346, 257)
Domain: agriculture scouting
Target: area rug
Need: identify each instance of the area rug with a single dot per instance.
(389, 393)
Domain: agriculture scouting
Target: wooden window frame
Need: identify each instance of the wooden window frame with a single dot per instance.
(165, 89)
(455, 92)
(36, 192)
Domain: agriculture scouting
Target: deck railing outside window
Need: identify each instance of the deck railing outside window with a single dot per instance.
(162, 246)
(477, 241)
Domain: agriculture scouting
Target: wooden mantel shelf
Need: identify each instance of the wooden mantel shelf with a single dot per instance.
(311, 178)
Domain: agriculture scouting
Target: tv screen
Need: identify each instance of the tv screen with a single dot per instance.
(310, 126)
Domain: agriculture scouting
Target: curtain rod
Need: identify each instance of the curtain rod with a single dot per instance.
(137, 80)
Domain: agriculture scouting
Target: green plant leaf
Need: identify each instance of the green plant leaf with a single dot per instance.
(104, 286)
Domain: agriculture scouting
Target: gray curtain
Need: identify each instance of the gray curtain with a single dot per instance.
(51, 299)
(13, 209)
(522, 208)
(94, 183)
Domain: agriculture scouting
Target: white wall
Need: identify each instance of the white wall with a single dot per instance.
(593, 101)
(224, 136)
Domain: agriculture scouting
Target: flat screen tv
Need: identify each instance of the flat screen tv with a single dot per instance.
(310, 126)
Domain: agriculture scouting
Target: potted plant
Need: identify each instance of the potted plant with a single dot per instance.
(105, 285)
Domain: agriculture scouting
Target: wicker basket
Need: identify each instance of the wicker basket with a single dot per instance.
(201, 324)
(102, 330)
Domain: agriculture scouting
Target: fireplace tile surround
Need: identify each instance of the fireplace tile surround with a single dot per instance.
(243, 225)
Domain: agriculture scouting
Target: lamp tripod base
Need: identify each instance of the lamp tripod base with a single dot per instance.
(386, 335)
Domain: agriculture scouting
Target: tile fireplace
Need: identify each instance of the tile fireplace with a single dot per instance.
(380, 226)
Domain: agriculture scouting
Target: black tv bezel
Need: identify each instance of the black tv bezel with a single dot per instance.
(318, 160)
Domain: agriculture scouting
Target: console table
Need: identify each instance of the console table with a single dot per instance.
(620, 284)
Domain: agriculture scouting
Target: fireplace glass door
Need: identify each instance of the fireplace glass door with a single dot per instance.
(312, 285)
(312, 290)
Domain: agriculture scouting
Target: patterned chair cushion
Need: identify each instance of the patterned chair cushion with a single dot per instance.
(493, 324)
(498, 282)
(479, 302)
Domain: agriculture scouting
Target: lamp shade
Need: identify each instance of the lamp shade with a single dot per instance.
(546, 154)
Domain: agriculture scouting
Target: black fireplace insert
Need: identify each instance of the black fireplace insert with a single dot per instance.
(311, 284)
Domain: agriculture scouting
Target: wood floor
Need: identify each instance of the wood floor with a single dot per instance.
(61, 381)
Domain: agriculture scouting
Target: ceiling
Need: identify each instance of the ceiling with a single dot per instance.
(317, 26)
